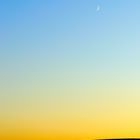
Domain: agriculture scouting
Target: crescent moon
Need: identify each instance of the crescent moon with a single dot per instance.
(98, 8)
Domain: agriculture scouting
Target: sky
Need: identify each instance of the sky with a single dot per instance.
(69, 69)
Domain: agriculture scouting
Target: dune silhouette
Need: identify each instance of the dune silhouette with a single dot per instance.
(120, 139)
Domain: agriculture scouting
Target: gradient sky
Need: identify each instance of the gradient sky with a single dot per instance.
(69, 69)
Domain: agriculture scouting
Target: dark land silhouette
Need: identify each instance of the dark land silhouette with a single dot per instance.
(120, 139)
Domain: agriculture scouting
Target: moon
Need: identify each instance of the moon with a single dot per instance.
(98, 8)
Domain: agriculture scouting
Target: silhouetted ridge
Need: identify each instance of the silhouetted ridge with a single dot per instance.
(120, 139)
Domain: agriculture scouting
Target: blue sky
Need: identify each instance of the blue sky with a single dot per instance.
(47, 38)
(64, 56)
